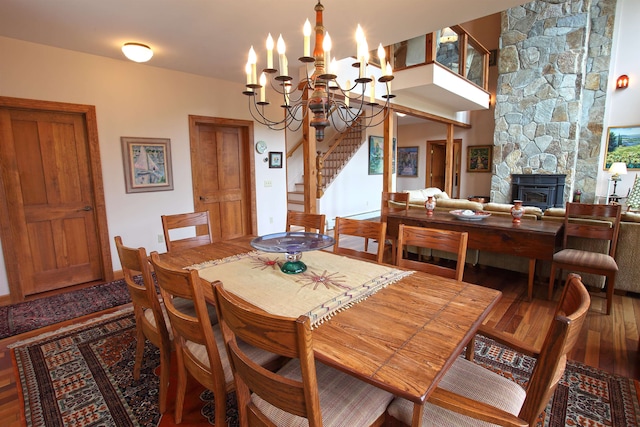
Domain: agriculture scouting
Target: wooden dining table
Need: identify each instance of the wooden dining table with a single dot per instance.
(403, 338)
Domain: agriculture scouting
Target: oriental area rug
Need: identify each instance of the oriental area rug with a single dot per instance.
(26, 316)
(82, 375)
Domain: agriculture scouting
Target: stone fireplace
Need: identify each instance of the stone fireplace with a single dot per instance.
(543, 191)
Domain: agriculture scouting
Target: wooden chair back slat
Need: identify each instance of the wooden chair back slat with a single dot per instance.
(312, 223)
(444, 240)
(559, 341)
(360, 228)
(199, 220)
(288, 337)
(144, 296)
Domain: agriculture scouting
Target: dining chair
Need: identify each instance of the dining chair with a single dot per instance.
(151, 321)
(470, 394)
(391, 203)
(199, 344)
(301, 388)
(589, 222)
(360, 228)
(432, 238)
(199, 220)
(310, 221)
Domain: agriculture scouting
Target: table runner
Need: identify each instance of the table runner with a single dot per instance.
(330, 284)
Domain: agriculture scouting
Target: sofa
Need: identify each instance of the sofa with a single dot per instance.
(627, 252)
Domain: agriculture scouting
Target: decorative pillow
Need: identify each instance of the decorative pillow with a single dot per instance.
(631, 216)
(431, 191)
(554, 212)
(458, 204)
(506, 207)
(416, 196)
(442, 195)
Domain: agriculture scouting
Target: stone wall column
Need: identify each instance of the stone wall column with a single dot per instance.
(551, 92)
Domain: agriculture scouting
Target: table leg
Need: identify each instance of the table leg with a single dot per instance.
(532, 274)
(417, 415)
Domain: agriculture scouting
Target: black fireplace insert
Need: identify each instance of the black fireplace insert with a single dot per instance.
(543, 191)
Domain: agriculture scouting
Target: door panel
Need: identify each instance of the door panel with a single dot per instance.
(221, 172)
(54, 200)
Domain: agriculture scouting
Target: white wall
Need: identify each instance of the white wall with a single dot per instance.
(354, 193)
(623, 105)
(139, 100)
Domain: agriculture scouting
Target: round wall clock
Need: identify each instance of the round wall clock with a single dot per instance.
(261, 147)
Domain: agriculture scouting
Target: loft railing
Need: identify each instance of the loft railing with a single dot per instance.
(451, 47)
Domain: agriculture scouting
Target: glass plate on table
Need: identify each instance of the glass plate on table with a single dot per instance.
(469, 215)
(292, 244)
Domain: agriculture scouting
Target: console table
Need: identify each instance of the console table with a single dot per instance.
(536, 240)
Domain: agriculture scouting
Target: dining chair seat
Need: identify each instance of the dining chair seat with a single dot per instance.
(581, 258)
(184, 306)
(200, 351)
(335, 388)
(467, 379)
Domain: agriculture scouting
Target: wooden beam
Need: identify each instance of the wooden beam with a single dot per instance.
(387, 175)
(309, 149)
(448, 163)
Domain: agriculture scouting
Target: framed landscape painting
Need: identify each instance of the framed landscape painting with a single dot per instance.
(623, 145)
(147, 164)
(407, 161)
(479, 158)
(376, 155)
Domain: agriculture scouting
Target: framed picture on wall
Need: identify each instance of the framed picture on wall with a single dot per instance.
(479, 158)
(408, 161)
(376, 155)
(275, 159)
(623, 145)
(147, 164)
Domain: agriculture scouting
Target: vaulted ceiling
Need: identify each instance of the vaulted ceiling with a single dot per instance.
(212, 37)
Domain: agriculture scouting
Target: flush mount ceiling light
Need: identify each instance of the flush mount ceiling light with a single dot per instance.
(137, 52)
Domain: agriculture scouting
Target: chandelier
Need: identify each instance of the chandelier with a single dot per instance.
(320, 93)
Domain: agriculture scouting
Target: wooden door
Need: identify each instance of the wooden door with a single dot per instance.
(436, 165)
(436, 161)
(49, 187)
(222, 171)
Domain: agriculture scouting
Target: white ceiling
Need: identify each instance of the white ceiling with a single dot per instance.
(212, 37)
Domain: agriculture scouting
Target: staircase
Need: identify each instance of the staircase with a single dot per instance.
(341, 149)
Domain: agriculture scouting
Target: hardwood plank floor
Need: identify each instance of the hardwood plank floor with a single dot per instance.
(607, 342)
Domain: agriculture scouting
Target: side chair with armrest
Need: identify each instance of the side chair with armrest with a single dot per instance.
(151, 320)
(310, 221)
(303, 388)
(199, 220)
(593, 222)
(199, 345)
(431, 238)
(360, 228)
(469, 394)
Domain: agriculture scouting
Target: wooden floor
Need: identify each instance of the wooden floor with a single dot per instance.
(607, 342)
